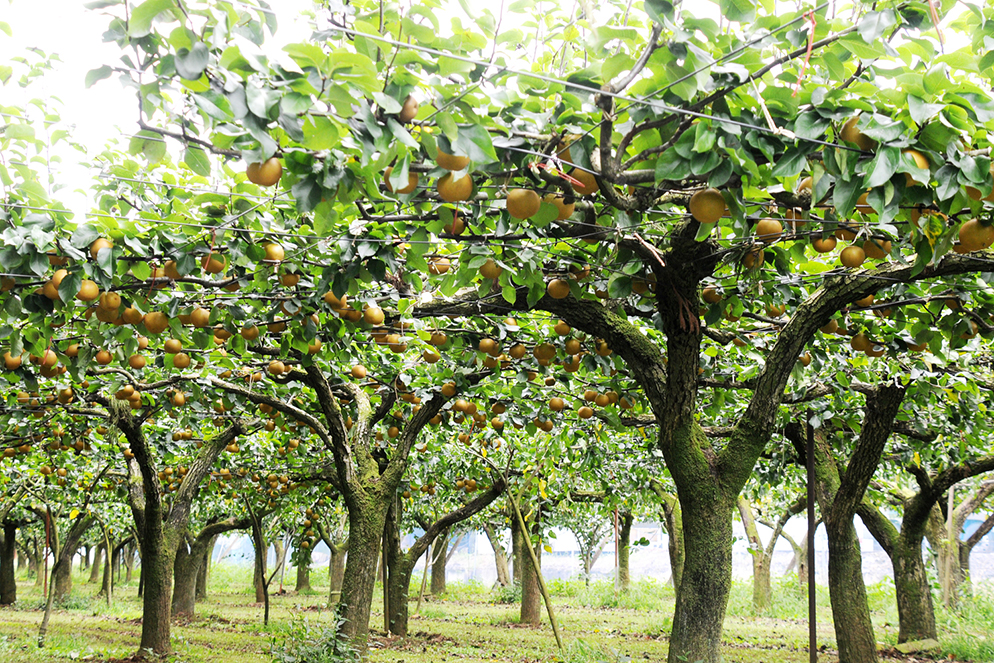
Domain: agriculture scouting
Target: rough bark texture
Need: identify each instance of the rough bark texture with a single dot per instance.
(839, 496)
(500, 555)
(62, 579)
(160, 531)
(365, 532)
(205, 563)
(624, 551)
(8, 549)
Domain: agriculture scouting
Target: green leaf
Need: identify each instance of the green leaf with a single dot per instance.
(936, 78)
(792, 163)
(197, 160)
(320, 133)
(741, 11)
(921, 111)
(874, 24)
(658, 10)
(20, 132)
(140, 22)
(4, 27)
(474, 141)
(190, 64)
(97, 74)
(883, 166)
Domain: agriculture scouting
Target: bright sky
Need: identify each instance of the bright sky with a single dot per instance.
(106, 110)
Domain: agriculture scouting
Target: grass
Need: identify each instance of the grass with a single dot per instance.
(469, 623)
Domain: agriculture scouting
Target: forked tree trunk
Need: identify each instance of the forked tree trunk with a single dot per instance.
(500, 555)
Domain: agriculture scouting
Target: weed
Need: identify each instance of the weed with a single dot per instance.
(300, 641)
(580, 651)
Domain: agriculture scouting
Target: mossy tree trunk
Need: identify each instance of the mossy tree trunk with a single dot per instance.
(205, 565)
(367, 487)
(401, 564)
(624, 551)
(915, 607)
(160, 530)
(839, 496)
(190, 561)
(303, 583)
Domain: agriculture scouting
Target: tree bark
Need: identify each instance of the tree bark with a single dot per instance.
(401, 564)
(531, 595)
(673, 520)
(760, 564)
(8, 550)
(303, 571)
(500, 555)
(62, 580)
(365, 532)
(839, 497)
(517, 551)
(624, 551)
(438, 559)
(98, 564)
(205, 563)
(259, 564)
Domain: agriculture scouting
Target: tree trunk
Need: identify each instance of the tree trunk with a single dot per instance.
(705, 581)
(916, 613)
(673, 519)
(531, 595)
(129, 562)
(624, 551)
(185, 572)
(158, 550)
(259, 566)
(205, 563)
(500, 555)
(366, 520)
(517, 551)
(62, 580)
(8, 549)
(853, 628)
(438, 559)
(303, 571)
(98, 564)
(336, 574)
(760, 564)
